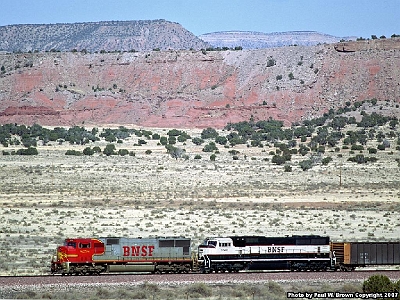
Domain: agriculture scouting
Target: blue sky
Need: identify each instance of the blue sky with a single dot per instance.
(360, 18)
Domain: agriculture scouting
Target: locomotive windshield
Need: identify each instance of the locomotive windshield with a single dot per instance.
(71, 244)
(208, 242)
(212, 243)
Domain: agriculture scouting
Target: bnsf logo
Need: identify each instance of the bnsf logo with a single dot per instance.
(138, 250)
(275, 249)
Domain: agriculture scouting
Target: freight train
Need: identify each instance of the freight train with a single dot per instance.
(93, 256)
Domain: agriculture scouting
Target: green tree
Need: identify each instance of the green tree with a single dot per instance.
(210, 147)
(221, 140)
(306, 164)
(28, 151)
(163, 140)
(197, 141)
(209, 133)
(73, 152)
(88, 151)
(109, 150)
(175, 152)
(123, 152)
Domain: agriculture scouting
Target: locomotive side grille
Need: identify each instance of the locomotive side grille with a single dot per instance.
(113, 241)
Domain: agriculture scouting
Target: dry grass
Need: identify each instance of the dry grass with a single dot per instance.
(51, 196)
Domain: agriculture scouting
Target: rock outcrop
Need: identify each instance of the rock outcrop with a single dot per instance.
(192, 88)
(260, 40)
(140, 35)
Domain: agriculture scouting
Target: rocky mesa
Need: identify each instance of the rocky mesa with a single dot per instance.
(194, 88)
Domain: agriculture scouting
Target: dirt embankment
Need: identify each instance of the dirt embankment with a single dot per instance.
(192, 88)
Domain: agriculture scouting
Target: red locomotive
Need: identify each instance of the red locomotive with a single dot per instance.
(119, 254)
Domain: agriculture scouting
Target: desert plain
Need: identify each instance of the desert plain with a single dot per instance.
(48, 197)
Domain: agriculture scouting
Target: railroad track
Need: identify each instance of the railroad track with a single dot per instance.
(168, 279)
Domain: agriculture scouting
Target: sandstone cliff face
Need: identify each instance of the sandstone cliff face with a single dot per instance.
(191, 88)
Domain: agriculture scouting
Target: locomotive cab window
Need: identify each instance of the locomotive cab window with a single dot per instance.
(84, 245)
(212, 243)
(71, 244)
(224, 244)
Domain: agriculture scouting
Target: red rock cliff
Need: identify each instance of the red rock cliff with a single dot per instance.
(191, 88)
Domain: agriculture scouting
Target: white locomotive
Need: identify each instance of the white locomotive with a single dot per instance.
(295, 253)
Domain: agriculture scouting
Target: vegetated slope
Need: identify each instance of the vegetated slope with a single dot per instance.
(193, 88)
(260, 40)
(96, 36)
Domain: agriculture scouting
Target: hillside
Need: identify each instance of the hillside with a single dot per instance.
(260, 40)
(96, 36)
(194, 88)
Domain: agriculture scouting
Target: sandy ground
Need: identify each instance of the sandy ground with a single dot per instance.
(51, 196)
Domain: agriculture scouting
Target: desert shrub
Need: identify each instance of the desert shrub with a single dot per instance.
(210, 147)
(372, 150)
(73, 152)
(303, 150)
(163, 140)
(378, 284)
(197, 156)
(381, 147)
(213, 157)
(306, 164)
(221, 140)
(174, 132)
(209, 133)
(29, 142)
(88, 151)
(326, 160)
(109, 150)
(28, 151)
(271, 62)
(321, 149)
(199, 290)
(172, 140)
(148, 152)
(183, 137)
(197, 141)
(123, 152)
(359, 158)
(288, 168)
(280, 159)
(175, 152)
(357, 147)
(155, 136)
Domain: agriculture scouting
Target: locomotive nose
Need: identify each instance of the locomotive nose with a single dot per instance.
(61, 254)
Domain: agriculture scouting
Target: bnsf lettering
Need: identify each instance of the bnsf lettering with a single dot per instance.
(138, 250)
(275, 249)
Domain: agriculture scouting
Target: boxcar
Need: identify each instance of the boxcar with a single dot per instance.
(350, 255)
